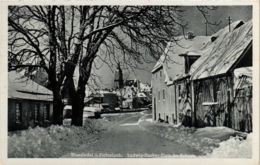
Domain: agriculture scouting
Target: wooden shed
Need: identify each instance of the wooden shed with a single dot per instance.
(212, 76)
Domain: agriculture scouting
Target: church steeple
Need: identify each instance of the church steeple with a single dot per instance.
(118, 77)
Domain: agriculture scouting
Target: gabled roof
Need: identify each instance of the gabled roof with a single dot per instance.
(224, 52)
(20, 87)
(173, 64)
(216, 57)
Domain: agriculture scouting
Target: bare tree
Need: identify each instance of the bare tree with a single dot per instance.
(60, 39)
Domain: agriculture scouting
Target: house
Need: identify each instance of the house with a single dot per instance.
(103, 99)
(141, 100)
(212, 77)
(128, 93)
(147, 90)
(135, 94)
(195, 77)
(29, 104)
(169, 98)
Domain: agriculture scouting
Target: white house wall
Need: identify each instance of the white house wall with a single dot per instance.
(163, 106)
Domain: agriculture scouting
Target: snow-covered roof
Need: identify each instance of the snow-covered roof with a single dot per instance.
(102, 93)
(145, 87)
(243, 77)
(20, 87)
(244, 71)
(234, 25)
(173, 64)
(220, 55)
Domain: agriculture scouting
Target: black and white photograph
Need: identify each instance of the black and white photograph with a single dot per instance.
(130, 81)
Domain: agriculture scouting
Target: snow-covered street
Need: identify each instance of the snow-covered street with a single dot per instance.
(127, 135)
(127, 139)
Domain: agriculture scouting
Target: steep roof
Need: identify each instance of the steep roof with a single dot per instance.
(173, 64)
(216, 57)
(20, 87)
(224, 52)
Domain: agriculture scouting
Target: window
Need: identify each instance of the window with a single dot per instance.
(163, 94)
(36, 112)
(167, 119)
(18, 112)
(159, 95)
(46, 111)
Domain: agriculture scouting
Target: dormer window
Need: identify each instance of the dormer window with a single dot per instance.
(239, 24)
(213, 38)
(189, 59)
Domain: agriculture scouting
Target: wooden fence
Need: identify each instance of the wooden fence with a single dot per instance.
(241, 115)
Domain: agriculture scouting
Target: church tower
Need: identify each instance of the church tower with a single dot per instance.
(118, 82)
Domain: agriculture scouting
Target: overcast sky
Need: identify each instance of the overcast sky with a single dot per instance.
(194, 19)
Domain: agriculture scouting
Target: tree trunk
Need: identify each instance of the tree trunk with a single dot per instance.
(57, 108)
(79, 94)
(77, 106)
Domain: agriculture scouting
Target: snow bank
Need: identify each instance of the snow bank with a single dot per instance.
(148, 120)
(234, 148)
(220, 133)
(218, 142)
(182, 135)
(144, 118)
(129, 124)
(35, 142)
(53, 141)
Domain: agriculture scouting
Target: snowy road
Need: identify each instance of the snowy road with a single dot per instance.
(127, 139)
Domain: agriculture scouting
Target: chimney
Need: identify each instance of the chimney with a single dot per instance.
(190, 35)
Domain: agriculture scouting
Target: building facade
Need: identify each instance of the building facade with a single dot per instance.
(163, 100)
(29, 104)
(215, 93)
(199, 83)
(170, 96)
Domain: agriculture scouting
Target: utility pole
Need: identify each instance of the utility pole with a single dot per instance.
(229, 23)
